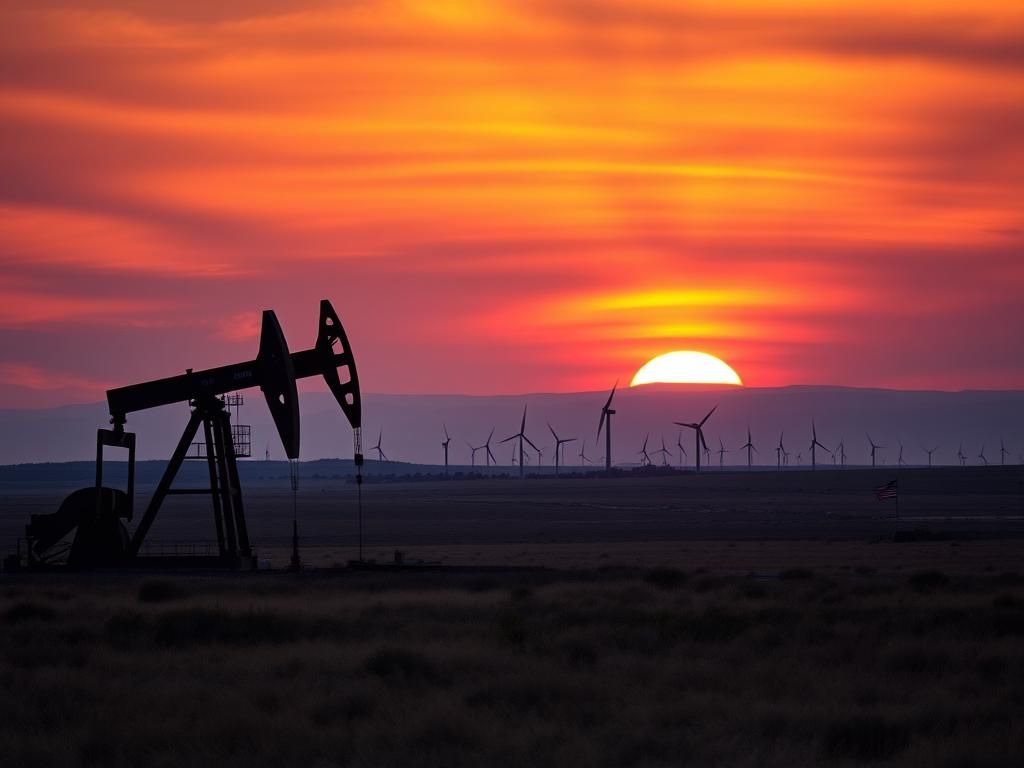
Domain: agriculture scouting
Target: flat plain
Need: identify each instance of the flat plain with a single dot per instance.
(740, 619)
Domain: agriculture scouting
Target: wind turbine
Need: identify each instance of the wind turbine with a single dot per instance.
(814, 444)
(559, 442)
(961, 456)
(780, 451)
(583, 455)
(1002, 452)
(698, 428)
(929, 451)
(474, 449)
(606, 423)
(645, 460)
(664, 452)
(444, 445)
(982, 456)
(900, 462)
(842, 452)
(750, 447)
(682, 451)
(722, 450)
(489, 456)
(521, 435)
(874, 449)
(381, 456)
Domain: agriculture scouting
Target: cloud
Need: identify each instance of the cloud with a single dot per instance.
(492, 194)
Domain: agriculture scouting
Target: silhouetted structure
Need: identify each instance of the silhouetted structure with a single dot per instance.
(682, 451)
(749, 447)
(102, 539)
(698, 428)
(444, 445)
(559, 442)
(521, 436)
(381, 456)
(874, 449)
(606, 424)
(814, 444)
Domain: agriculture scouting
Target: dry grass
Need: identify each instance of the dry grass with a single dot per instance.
(616, 668)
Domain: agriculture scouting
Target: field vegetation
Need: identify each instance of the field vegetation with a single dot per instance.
(609, 667)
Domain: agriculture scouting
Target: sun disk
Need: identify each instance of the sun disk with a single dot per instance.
(686, 367)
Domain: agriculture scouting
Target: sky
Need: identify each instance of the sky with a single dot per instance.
(513, 197)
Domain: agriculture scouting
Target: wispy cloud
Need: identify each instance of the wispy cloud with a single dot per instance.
(518, 195)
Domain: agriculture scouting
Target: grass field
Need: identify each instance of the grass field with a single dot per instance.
(616, 667)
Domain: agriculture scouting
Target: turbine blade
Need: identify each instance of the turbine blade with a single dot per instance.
(610, 396)
(553, 431)
(531, 443)
(708, 416)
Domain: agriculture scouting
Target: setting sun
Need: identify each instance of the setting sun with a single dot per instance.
(686, 368)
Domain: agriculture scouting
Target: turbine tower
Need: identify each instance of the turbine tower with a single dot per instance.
(1002, 452)
(698, 428)
(606, 423)
(749, 446)
(929, 451)
(815, 443)
(559, 442)
(381, 456)
(874, 449)
(842, 452)
(444, 445)
(521, 436)
(780, 451)
(722, 450)
(900, 462)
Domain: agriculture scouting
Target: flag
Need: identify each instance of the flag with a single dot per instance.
(886, 492)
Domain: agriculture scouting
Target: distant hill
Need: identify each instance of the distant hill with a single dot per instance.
(412, 425)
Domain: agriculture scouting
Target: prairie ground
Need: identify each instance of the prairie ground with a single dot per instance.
(513, 667)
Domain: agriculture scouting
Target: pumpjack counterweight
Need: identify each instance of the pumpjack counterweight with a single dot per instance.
(101, 538)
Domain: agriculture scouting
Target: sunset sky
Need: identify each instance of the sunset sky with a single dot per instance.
(513, 197)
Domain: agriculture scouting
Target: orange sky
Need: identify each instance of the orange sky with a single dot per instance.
(509, 197)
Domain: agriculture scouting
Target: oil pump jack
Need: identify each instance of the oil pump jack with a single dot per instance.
(98, 512)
